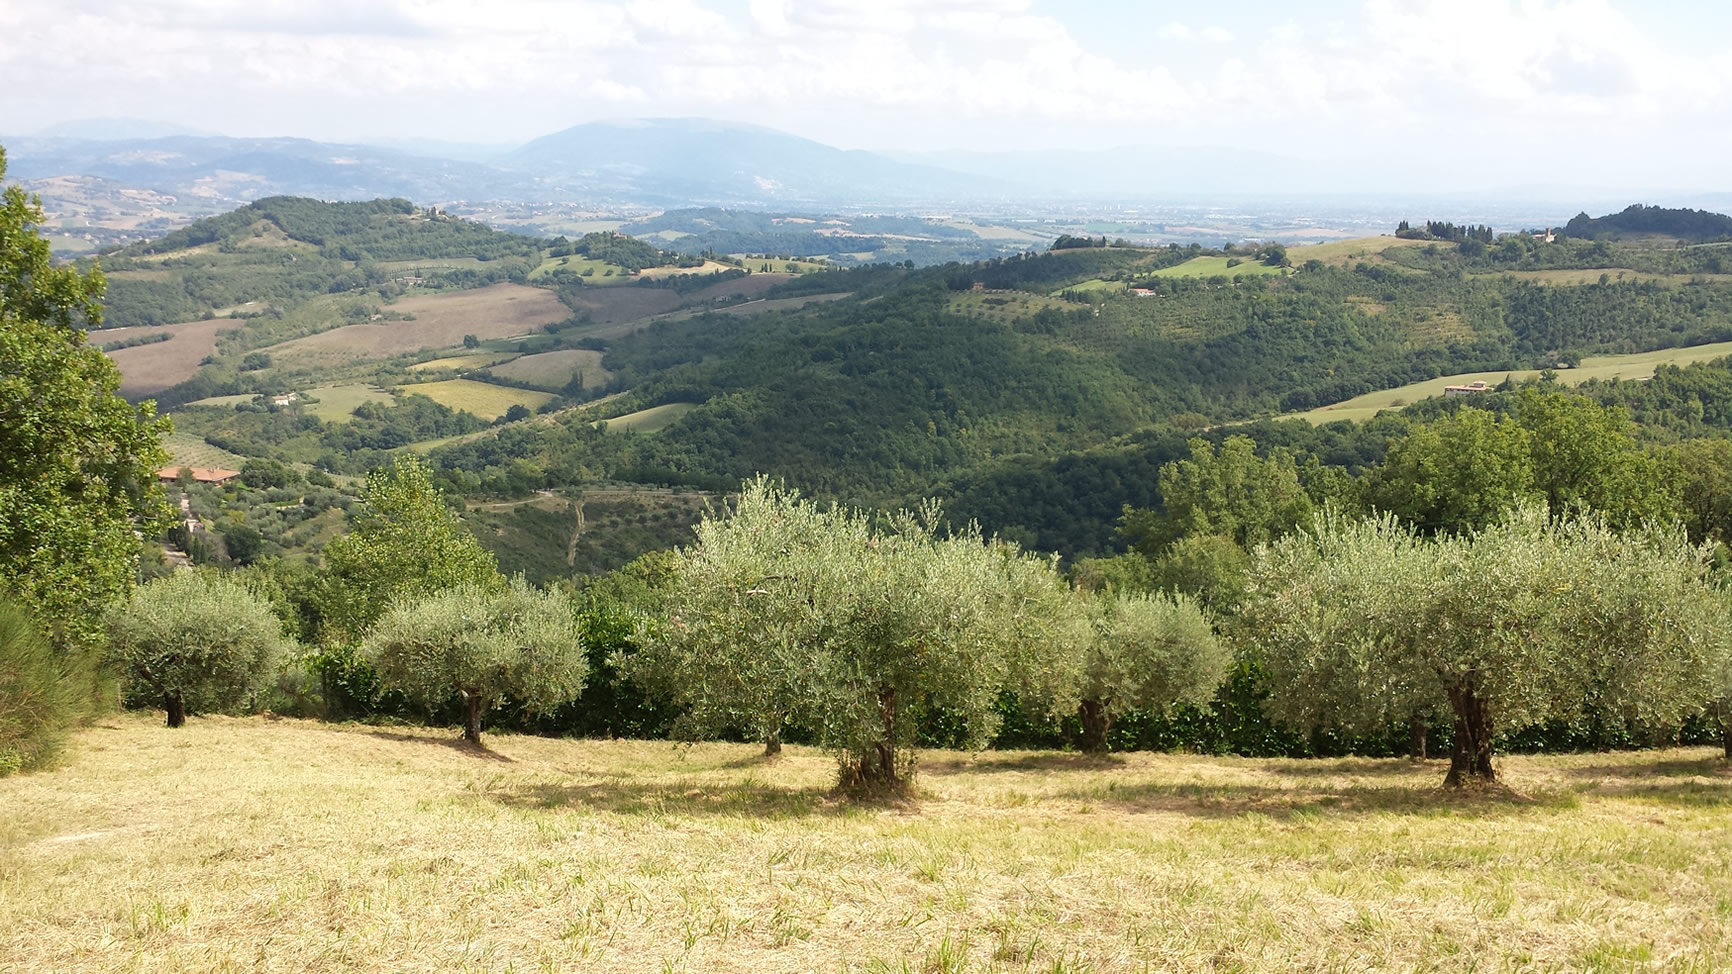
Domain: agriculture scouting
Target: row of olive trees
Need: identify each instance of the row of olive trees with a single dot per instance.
(421, 599)
(1361, 624)
(852, 628)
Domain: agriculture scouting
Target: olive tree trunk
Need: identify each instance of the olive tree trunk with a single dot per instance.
(1096, 722)
(1416, 734)
(773, 743)
(1470, 758)
(875, 769)
(176, 708)
(472, 724)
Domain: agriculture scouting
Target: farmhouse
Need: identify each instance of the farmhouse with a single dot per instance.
(202, 475)
(1472, 388)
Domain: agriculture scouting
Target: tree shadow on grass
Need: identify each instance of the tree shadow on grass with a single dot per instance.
(734, 800)
(454, 743)
(1303, 800)
(1703, 782)
(989, 763)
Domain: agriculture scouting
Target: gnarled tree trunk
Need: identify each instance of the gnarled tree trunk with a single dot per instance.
(773, 743)
(176, 708)
(1096, 722)
(1470, 758)
(876, 767)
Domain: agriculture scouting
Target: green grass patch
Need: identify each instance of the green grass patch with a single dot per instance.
(224, 402)
(651, 420)
(1604, 367)
(336, 404)
(461, 363)
(1218, 267)
(552, 370)
(600, 271)
(483, 399)
(187, 450)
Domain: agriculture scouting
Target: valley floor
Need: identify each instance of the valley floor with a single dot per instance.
(284, 845)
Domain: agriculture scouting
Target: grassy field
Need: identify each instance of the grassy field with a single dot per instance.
(552, 370)
(260, 844)
(1637, 366)
(441, 321)
(1340, 253)
(337, 403)
(778, 265)
(1217, 267)
(222, 402)
(187, 450)
(483, 399)
(475, 360)
(651, 420)
(598, 270)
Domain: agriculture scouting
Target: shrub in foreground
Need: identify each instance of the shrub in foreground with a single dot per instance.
(195, 641)
(39, 698)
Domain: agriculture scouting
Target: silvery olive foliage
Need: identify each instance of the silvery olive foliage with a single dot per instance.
(852, 627)
(196, 641)
(1359, 624)
(1146, 652)
(480, 643)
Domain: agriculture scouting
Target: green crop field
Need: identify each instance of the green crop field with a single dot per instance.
(337, 403)
(484, 400)
(1217, 267)
(187, 450)
(1637, 366)
(281, 844)
(651, 420)
(225, 401)
(552, 370)
(577, 265)
(1347, 252)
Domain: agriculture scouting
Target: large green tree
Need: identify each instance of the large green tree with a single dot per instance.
(1459, 473)
(405, 543)
(77, 462)
(1230, 492)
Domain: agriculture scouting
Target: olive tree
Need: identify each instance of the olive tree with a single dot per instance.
(853, 627)
(741, 614)
(480, 643)
(1146, 652)
(1359, 624)
(196, 641)
(922, 620)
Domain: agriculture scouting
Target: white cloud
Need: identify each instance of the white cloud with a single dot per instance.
(884, 73)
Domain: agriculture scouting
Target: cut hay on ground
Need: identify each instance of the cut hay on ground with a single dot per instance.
(254, 844)
(441, 321)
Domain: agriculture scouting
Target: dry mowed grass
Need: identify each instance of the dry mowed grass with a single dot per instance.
(147, 369)
(441, 321)
(254, 844)
(651, 420)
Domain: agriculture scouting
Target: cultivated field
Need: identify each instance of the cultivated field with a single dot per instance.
(1637, 366)
(337, 404)
(1342, 253)
(1217, 267)
(262, 844)
(187, 450)
(651, 420)
(441, 321)
(476, 360)
(483, 399)
(148, 369)
(552, 370)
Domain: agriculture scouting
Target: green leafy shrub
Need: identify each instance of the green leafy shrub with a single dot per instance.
(39, 698)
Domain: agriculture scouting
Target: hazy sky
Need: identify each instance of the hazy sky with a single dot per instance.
(1517, 92)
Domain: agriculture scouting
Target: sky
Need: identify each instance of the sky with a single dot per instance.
(1460, 93)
